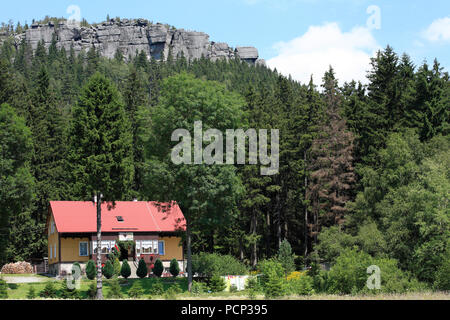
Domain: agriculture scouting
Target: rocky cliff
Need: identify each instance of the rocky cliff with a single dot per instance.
(131, 37)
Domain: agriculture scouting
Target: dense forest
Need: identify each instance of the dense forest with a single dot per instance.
(364, 167)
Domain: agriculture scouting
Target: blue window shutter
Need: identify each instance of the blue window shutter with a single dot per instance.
(161, 248)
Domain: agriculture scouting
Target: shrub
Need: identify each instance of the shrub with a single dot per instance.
(198, 287)
(108, 270)
(67, 293)
(303, 285)
(116, 267)
(114, 289)
(174, 268)
(158, 268)
(208, 264)
(171, 293)
(125, 271)
(217, 283)
(157, 288)
(286, 257)
(252, 284)
(92, 290)
(442, 281)
(274, 286)
(3, 289)
(142, 269)
(31, 293)
(49, 290)
(270, 267)
(136, 290)
(91, 270)
(233, 288)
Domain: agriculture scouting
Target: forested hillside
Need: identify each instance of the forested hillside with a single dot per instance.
(360, 165)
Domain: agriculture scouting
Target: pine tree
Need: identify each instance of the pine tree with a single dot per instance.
(286, 257)
(174, 268)
(90, 270)
(108, 270)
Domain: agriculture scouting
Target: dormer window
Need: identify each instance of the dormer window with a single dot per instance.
(119, 218)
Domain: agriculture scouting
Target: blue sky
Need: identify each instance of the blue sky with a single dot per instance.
(298, 37)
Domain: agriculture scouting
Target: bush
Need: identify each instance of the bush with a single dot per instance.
(114, 289)
(49, 290)
(233, 288)
(208, 264)
(303, 285)
(67, 293)
(108, 270)
(142, 269)
(125, 271)
(92, 290)
(270, 267)
(158, 268)
(174, 268)
(171, 293)
(252, 284)
(442, 281)
(157, 288)
(3, 289)
(217, 283)
(274, 286)
(31, 293)
(198, 287)
(116, 267)
(136, 290)
(91, 270)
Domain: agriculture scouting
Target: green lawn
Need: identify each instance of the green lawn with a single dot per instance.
(20, 290)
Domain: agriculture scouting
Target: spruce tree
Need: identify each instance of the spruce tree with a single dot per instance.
(90, 270)
(100, 157)
(174, 268)
(158, 268)
(125, 271)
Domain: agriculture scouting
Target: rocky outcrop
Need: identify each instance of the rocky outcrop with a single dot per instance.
(133, 36)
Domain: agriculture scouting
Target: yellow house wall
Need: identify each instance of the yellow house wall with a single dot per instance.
(70, 250)
(172, 248)
(52, 241)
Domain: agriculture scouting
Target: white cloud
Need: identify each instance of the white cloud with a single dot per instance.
(321, 46)
(438, 30)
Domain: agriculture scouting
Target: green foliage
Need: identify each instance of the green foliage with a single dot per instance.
(136, 290)
(212, 263)
(117, 267)
(199, 287)
(142, 269)
(174, 268)
(286, 257)
(31, 294)
(302, 286)
(270, 268)
(158, 268)
(157, 288)
(91, 270)
(92, 290)
(442, 281)
(216, 283)
(67, 293)
(108, 270)
(125, 271)
(114, 289)
(49, 290)
(3, 289)
(172, 292)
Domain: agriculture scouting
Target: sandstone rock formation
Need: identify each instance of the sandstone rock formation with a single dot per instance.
(131, 37)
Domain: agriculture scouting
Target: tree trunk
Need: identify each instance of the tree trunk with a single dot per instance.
(99, 295)
(278, 220)
(189, 254)
(306, 207)
(255, 245)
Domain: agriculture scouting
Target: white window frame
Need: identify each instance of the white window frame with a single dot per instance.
(87, 248)
(155, 246)
(147, 245)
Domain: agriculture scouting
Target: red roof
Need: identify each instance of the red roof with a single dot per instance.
(138, 216)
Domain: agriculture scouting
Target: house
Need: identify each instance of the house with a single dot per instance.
(153, 230)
